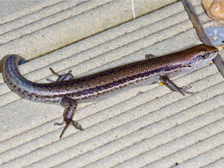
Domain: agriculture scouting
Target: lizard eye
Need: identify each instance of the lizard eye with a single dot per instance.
(204, 56)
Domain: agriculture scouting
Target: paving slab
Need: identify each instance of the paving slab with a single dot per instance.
(147, 126)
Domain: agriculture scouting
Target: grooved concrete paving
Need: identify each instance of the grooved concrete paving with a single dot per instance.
(157, 128)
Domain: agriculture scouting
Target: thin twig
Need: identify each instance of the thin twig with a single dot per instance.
(133, 8)
(202, 33)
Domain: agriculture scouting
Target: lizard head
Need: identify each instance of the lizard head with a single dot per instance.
(201, 55)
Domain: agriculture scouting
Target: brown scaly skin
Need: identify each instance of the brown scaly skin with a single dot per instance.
(68, 91)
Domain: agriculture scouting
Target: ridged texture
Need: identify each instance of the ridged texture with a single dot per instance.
(156, 128)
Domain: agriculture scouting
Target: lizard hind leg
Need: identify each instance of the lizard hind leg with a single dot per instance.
(60, 78)
(70, 107)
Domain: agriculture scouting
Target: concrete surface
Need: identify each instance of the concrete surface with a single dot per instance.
(157, 128)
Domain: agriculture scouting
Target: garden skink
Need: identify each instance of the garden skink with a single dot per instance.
(69, 91)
